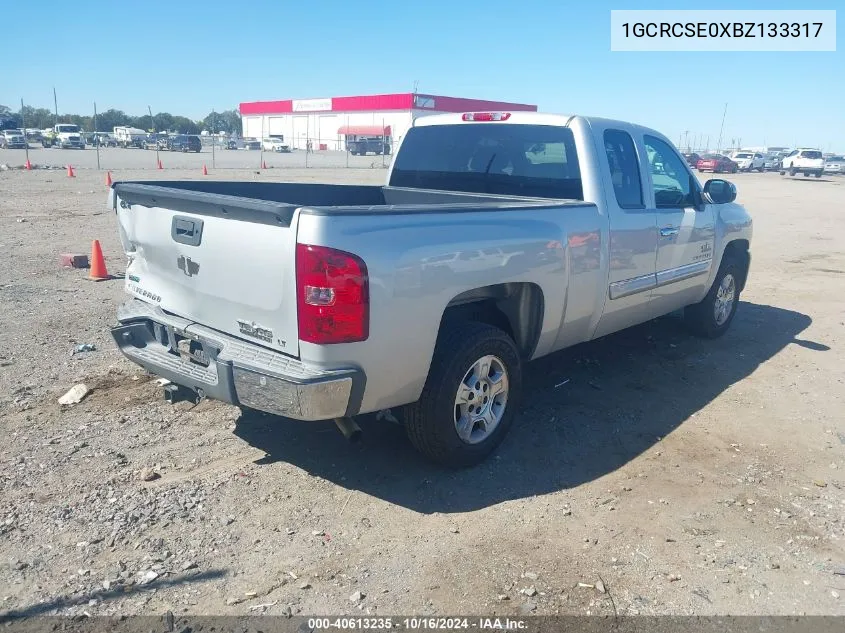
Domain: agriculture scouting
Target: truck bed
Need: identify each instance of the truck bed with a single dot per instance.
(222, 254)
(243, 200)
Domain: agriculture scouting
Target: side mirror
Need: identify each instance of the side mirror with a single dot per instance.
(719, 191)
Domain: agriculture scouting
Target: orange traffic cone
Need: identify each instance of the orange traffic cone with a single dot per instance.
(160, 166)
(98, 264)
(263, 164)
(204, 170)
(70, 173)
(28, 165)
(108, 179)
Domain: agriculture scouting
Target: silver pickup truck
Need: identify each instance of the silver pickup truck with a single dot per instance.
(499, 238)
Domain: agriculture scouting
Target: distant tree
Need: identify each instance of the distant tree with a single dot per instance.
(184, 125)
(110, 119)
(228, 121)
(141, 122)
(9, 119)
(39, 118)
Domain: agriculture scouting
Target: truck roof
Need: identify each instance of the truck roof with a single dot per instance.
(537, 118)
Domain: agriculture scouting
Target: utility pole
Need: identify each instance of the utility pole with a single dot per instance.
(96, 136)
(153, 127)
(26, 140)
(213, 137)
(56, 106)
(722, 129)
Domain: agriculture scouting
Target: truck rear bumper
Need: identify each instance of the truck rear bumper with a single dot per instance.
(222, 367)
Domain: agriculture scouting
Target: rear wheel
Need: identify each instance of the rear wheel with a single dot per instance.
(470, 396)
(818, 174)
(712, 316)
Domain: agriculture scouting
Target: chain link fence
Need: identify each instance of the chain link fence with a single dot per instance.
(214, 152)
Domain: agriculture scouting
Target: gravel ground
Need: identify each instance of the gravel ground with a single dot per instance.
(669, 475)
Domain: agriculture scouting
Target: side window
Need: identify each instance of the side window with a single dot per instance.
(671, 181)
(624, 169)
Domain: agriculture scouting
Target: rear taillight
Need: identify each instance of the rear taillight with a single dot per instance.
(332, 295)
(486, 116)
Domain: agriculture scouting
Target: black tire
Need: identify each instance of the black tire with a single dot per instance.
(818, 174)
(430, 422)
(701, 317)
(792, 171)
(806, 174)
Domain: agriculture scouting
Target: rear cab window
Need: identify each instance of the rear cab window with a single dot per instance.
(624, 169)
(504, 159)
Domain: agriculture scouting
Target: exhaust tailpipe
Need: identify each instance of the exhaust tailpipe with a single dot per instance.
(351, 431)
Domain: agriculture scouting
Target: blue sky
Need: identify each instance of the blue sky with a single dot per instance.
(187, 57)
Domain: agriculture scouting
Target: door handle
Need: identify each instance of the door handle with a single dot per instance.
(669, 231)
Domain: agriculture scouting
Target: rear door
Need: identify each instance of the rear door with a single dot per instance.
(222, 261)
(685, 229)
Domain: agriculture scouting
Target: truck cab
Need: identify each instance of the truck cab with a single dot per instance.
(64, 136)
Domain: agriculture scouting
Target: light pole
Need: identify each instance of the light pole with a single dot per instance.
(153, 126)
(722, 129)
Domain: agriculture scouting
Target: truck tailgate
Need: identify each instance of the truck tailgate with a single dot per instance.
(222, 261)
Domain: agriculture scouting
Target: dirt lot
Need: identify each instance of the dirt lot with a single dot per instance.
(685, 476)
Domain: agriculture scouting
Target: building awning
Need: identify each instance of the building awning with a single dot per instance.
(365, 130)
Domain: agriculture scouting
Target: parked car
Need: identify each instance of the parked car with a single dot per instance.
(154, 141)
(231, 145)
(717, 163)
(771, 161)
(834, 165)
(805, 161)
(359, 145)
(747, 161)
(692, 159)
(301, 308)
(13, 139)
(184, 143)
(100, 139)
(252, 143)
(275, 144)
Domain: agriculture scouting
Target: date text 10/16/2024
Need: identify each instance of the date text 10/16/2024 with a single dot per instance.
(416, 624)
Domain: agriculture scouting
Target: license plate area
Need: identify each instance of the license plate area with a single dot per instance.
(192, 351)
(189, 349)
